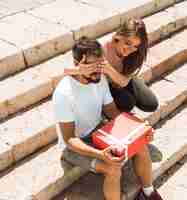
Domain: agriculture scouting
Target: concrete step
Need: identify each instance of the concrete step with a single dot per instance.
(47, 31)
(23, 137)
(37, 83)
(42, 177)
(176, 186)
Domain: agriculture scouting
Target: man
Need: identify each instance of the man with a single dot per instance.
(79, 101)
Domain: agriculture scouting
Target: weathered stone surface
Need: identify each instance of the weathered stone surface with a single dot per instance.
(40, 176)
(6, 157)
(170, 135)
(165, 56)
(28, 30)
(11, 59)
(170, 96)
(176, 185)
(43, 2)
(156, 27)
(54, 68)
(178, 10)
(46, 50)
(66, 13)
(4, 10)
(27, 88)
(113, 21)
(172, 193)
(179, 76)
(114, 5)
(29, 131)
(22, 5)
(180, 40)
(23, 181)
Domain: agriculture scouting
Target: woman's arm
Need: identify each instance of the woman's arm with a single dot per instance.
(72, 71)
(81, 69)
(118, 78)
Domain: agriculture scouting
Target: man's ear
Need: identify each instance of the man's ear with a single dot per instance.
(114, 38)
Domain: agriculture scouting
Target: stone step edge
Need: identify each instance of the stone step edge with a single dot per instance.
(45, 89)
(74, 173)
(8, 157)
(53, 47)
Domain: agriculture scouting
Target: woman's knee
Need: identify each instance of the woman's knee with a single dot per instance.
(146, 100)
(125, 102)
(151, 105)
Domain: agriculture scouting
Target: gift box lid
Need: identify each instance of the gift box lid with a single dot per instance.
(123, 129)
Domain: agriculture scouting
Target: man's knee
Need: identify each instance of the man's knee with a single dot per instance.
(144, 153)
(109, 170)
(114, 171)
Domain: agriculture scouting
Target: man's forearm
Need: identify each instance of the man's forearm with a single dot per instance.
(77, 145)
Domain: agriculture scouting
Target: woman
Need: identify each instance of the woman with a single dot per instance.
(125, 54)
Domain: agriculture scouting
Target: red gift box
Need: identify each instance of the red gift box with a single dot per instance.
(126, 133)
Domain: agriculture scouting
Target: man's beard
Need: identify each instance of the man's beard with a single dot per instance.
(95, 80)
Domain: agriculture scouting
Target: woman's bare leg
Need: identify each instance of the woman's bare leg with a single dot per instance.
(143, 167)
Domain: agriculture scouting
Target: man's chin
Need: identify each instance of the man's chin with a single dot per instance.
(95, 81)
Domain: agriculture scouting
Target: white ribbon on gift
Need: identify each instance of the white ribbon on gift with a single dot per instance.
(133, 135)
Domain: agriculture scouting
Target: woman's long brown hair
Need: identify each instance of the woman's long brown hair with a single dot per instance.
(134, 61)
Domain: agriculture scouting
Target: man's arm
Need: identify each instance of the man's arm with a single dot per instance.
(75, 143)
(110, 110)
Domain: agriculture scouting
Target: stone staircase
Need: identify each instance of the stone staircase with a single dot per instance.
(29, 157)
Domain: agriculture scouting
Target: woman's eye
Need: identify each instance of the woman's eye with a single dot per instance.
(116, 40)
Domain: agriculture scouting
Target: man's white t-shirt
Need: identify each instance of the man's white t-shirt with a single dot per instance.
(80, 103)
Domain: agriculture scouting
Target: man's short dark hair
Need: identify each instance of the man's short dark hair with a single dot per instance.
(87, 47)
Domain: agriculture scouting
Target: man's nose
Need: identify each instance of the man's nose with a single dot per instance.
(124, 49)
(131, 47)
